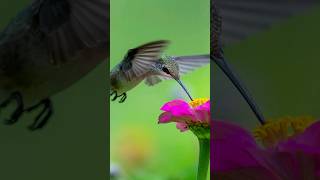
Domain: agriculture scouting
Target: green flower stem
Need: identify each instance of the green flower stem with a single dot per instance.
(204, 157)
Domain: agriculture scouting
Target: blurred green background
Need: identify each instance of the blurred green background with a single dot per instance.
(74, 143)
(280, 67)
(140, 147)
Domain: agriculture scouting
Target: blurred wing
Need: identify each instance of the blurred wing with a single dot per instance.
(185, 63)
(153, 80)
(242, 18)
(138, 61)
(190, 63)
(71, 26)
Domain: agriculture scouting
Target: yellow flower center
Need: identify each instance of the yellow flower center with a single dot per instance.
(198, 101)
(280, 129)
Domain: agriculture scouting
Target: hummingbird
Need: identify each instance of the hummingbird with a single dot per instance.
(47, 47)
(146, 63)
(235, 21)
(217, 56)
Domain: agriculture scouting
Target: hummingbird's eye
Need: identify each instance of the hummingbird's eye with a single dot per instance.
(166, 70)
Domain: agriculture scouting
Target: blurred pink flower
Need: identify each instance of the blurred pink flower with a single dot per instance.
(187, 115)
(237, 156)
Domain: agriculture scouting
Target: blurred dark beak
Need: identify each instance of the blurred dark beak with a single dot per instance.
(225, 67)
(184, 88)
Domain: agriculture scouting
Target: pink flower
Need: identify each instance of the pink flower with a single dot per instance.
(237, 156)
(187, 115)
(196, 117)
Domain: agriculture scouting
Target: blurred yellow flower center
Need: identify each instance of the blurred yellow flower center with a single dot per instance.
(280, 129)
(198, 101)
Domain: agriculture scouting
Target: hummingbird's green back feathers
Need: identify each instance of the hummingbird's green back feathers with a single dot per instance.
(138, 61)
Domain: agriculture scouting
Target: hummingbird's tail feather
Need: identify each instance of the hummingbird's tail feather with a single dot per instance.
(225, 67)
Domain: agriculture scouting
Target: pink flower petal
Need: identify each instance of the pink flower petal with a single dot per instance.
(310, 138)
(231, 146)
(237, 155)
(177, 108)
(182, 126)
(165, 117)
(204, 107)
(202, 112)
(202, 116)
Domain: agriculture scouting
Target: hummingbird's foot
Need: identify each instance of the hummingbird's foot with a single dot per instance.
(123, 98)
(19, 109)
(115, 95)
(44, 115)
(112, 93)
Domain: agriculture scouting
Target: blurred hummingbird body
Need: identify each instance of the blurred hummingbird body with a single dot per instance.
(145, 63)
(47, 47)
(120, 83)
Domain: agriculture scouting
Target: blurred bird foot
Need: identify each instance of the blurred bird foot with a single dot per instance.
(123, 96)
(19, 109)
(115, 95)
(44, 115)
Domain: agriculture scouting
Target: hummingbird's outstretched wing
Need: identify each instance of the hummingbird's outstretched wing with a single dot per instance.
(71, 26)
(242, 18)
(185, 64)
(139, 60)
(190, 63)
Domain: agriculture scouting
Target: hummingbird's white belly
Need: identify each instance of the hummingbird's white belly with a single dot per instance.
(121, 84)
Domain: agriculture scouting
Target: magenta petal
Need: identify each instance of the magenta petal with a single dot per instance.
(182, 126)
(307, 147)
(203, 112)
(165, 117)
(203, 116)
(309, 138)
(169, 105)
(248, 173)
(227, 131)
(231, 146)
(177, 108)
(204, 107)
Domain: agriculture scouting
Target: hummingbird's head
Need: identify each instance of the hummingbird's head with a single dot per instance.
(171, 68)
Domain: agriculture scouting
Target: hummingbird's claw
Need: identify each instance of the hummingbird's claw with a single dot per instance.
(19, 109)
(113, 92)
(15, 116)
(115, 95)
(123, 98)
(43, 116)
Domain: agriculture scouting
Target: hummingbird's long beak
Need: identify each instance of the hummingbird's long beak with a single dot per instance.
(225, 67)
(184, 88)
